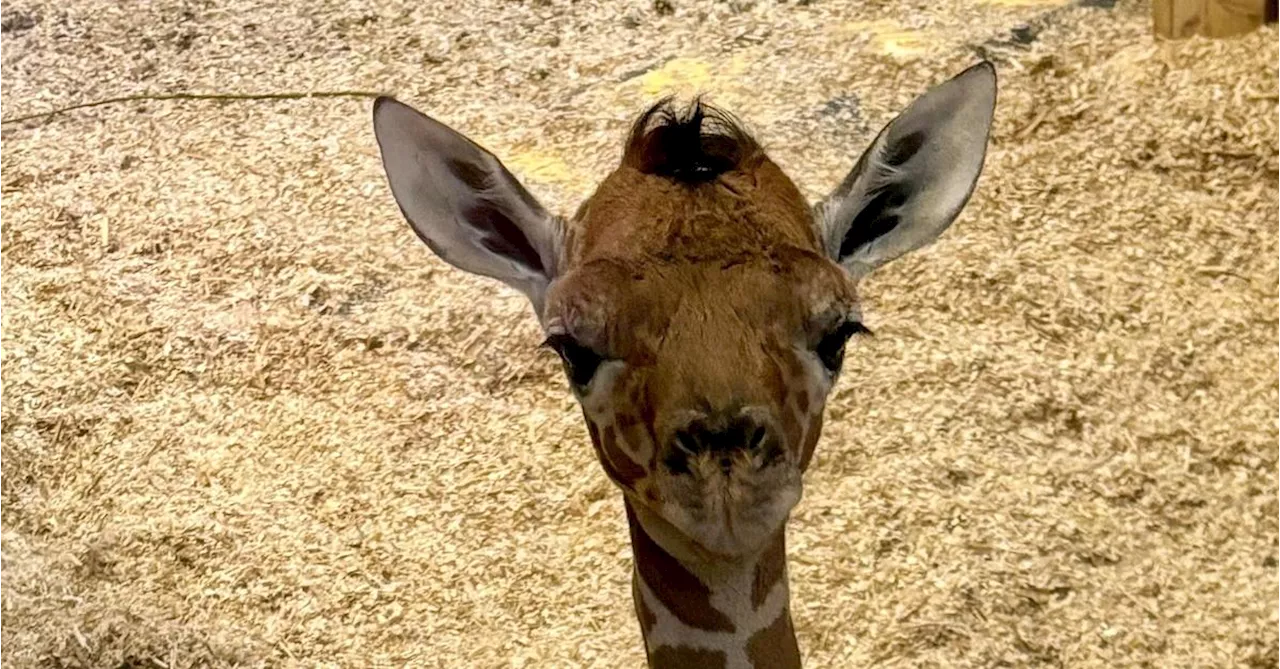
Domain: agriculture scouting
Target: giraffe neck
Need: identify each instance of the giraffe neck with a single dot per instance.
(710, 614)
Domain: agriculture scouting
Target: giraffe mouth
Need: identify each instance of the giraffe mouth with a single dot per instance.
(729, 512)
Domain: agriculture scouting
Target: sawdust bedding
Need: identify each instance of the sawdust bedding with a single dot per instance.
(248, 419)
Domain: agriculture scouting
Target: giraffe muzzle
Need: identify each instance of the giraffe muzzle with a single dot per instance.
(727, 481)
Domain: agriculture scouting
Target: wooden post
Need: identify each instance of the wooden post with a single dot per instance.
(1178, 19)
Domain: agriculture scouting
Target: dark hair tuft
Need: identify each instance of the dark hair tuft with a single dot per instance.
(693, 146)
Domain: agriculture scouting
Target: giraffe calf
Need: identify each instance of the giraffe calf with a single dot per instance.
(701, 308)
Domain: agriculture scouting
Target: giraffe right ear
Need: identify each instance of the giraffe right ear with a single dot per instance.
(915, 178)
(464, 203)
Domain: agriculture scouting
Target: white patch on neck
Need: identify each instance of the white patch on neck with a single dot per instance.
(731, 595)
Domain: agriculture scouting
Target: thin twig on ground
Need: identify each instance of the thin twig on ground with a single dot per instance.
(149, 97)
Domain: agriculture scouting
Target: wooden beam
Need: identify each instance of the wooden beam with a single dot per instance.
(1178, 19)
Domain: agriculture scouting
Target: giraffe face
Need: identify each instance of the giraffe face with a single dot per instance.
(700, 306)
(703, 381)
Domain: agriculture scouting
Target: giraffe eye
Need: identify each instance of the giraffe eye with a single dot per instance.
(831, 349)
(580, 362)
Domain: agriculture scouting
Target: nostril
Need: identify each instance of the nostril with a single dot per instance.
(771, 454)
(722, 441)
(677, 461)
(684, 446)
(686, 442)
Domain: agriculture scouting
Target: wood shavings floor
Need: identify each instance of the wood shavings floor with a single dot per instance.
(249, 420)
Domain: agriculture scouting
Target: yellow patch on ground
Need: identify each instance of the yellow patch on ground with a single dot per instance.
(540, 166)
(723, 82)
(903, 43)
(678, 75)
(859, 27)
(891, 38)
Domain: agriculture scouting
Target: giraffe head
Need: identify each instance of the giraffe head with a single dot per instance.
(700, 306)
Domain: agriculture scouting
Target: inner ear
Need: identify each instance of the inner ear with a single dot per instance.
(876, 219)
(464, 204)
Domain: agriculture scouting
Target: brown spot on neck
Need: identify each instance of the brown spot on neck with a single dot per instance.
(774, 647)
(646, 616)
(683, 657)
(769, 571)
(682, 592)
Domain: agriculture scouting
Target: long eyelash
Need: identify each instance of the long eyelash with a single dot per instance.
(554, 341)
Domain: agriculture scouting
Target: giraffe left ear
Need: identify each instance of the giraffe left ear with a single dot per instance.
(918, 174)
(468, 208)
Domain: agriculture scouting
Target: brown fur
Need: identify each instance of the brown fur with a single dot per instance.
(679, 589)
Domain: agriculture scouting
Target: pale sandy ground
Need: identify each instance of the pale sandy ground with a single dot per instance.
(248, 419)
